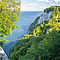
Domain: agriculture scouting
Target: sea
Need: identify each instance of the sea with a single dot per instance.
(28, 17)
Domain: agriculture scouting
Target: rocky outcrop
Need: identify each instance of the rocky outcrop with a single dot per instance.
(3, 56)
(44, 16)
(28, 29)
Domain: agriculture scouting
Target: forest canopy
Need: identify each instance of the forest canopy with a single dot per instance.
(42, 42)
(52, 8)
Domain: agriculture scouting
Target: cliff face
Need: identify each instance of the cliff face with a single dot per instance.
(3, 56)
(43, 40)
(44, 16)
(40, 19)
(28, 29)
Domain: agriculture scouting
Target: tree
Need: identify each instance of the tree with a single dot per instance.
(43, 44)
(9, 9)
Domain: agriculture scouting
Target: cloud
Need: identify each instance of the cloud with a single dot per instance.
(32, 4)
(41, 0)
(50, 1)
(29, 7)
(56, 1)
(36, 6)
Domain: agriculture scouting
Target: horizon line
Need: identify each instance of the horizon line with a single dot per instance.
(29, 10)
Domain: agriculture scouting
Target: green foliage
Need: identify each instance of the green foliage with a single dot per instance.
(8, 18)
(33, 24)
(42, 43)
(52, 8)
(37, 48)
(51, 45)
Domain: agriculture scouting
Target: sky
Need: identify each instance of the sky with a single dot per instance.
(38, 5)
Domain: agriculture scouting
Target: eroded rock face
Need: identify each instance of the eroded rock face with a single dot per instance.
(44, 16)
(3, 56)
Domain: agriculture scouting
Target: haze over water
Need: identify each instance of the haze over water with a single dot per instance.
(27, 18)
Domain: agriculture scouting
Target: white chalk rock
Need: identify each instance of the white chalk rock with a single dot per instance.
(44, 16)
(3, 55)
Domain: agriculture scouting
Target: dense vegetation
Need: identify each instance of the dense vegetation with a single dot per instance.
(52, 8)
(42, 43)
(32, 26)
(8, 18)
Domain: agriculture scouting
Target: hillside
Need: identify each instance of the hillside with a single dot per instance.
(43, 40)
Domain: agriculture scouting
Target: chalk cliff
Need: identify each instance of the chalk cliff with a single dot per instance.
(3, 55)
(44, 16)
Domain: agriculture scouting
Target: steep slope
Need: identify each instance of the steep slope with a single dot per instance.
(43, 40)
(3, 55)
(44, 16)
